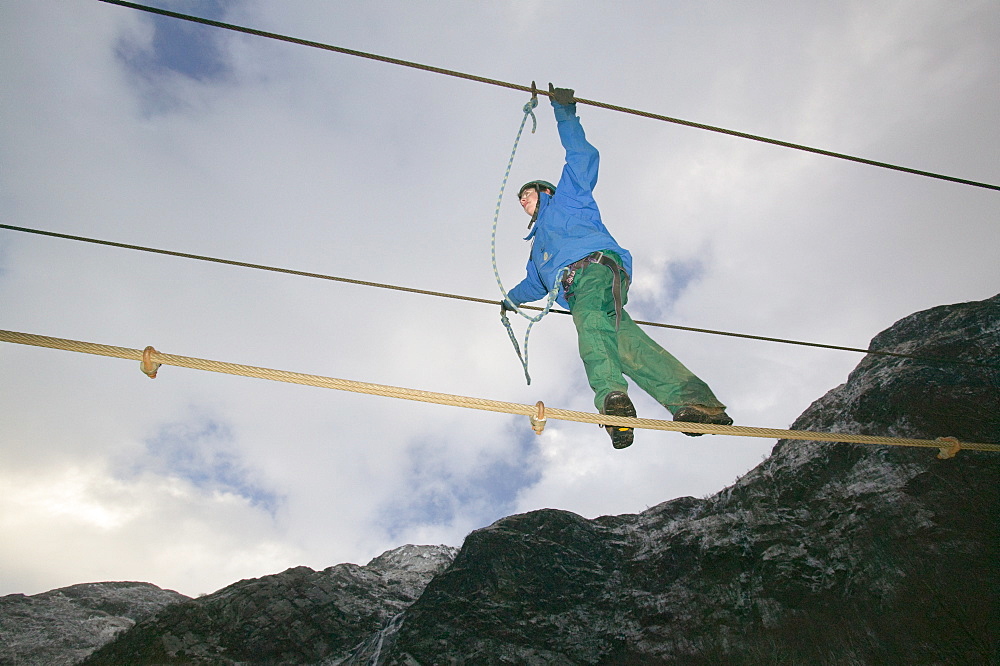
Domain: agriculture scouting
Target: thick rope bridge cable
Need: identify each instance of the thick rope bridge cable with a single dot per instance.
(514, 86)
(474, 299)
(948, 446)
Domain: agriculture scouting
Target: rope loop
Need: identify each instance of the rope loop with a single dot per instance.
(529, 109)
(538, 418)
(147, 365)
(950, 451)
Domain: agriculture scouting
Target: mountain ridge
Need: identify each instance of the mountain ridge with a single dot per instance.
(64, 625)
(822, 553)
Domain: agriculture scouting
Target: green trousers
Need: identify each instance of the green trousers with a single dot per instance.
(608, 354)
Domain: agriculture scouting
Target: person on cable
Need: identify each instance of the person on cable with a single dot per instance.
(571, 245)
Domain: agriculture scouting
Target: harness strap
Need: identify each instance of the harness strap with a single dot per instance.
(616, 287)
(617, 273)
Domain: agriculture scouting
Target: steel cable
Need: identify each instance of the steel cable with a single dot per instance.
(473, 299)
(514, 86)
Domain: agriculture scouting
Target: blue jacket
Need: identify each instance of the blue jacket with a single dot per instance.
(568, 226)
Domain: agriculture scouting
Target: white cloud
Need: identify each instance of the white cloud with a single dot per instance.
(282, 155)
(80, 523)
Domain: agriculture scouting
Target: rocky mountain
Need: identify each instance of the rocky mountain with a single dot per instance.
(299, 616)
(63, 626)
(822, 554)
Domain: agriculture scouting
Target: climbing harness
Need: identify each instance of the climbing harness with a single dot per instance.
(617, 271)
(554, 291)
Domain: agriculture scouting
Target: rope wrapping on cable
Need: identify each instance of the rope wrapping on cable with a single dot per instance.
(947, 445)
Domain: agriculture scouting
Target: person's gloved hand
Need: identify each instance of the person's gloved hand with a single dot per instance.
(562, 96)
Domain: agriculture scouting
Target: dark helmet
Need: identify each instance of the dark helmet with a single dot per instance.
(538, 185)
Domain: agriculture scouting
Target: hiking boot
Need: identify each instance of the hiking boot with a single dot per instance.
(699, 414)
(618, 404)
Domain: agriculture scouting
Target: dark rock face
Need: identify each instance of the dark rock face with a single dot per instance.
(299, 616)
(823, 554)
(63, 626)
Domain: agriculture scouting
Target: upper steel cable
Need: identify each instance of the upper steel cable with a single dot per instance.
(473, 299)
(514, 86)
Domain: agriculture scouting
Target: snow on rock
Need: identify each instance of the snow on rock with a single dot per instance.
(65, 625)
(299, 616)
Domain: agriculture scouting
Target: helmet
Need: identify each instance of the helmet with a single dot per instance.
(537, 184)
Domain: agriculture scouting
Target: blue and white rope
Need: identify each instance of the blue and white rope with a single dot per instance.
(528, 111)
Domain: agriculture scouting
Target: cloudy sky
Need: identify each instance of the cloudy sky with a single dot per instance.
(118, 125)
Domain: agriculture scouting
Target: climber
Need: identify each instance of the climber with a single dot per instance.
(571, 245)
